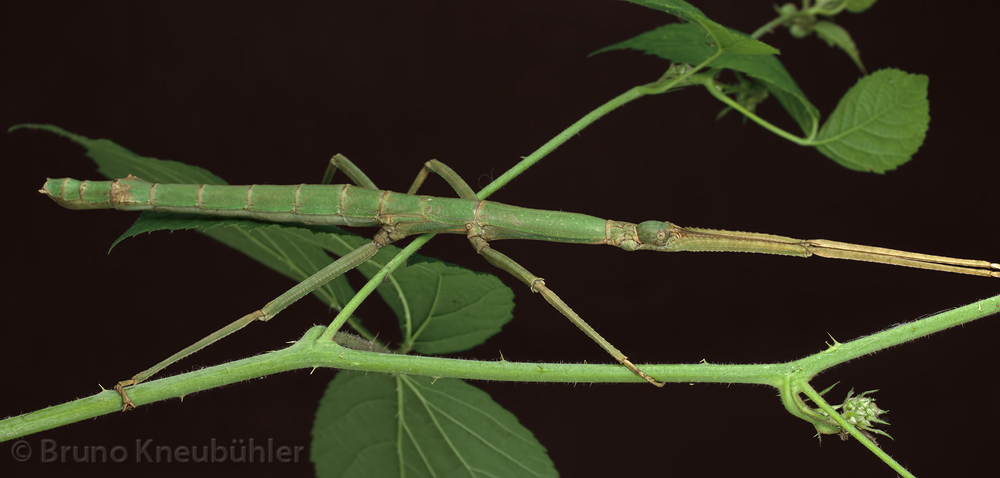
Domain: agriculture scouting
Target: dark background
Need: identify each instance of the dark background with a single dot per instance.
(258, 92)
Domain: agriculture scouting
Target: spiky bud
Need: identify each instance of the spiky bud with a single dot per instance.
(862, 412)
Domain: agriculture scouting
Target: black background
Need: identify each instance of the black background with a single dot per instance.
(258, 92)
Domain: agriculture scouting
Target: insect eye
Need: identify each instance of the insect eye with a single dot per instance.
(654, 233)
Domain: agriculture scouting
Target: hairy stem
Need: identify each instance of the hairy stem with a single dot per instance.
(660, 86)
(308, 353)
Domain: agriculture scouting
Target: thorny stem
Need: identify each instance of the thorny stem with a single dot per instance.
(789, 377)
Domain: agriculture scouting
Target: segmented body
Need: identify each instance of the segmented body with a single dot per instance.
(404, 214)
(400, 215)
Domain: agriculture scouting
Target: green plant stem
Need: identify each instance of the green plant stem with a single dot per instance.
(838, 353)
(662, 85)
(559, 139)
(845, 425)
(309, 353)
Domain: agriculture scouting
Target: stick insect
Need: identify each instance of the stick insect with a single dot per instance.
(400, 215)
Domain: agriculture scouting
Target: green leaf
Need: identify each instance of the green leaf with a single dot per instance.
(879, 124)
(384, 426)
(835, 35)
(858, 6)
(114, 161)
(682, 43)
(719, 36)
(448, 308)
(460, 312)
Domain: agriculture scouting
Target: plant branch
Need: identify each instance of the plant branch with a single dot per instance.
(839, 353)
(308, 353)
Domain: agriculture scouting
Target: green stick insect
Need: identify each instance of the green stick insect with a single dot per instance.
(401, 215)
